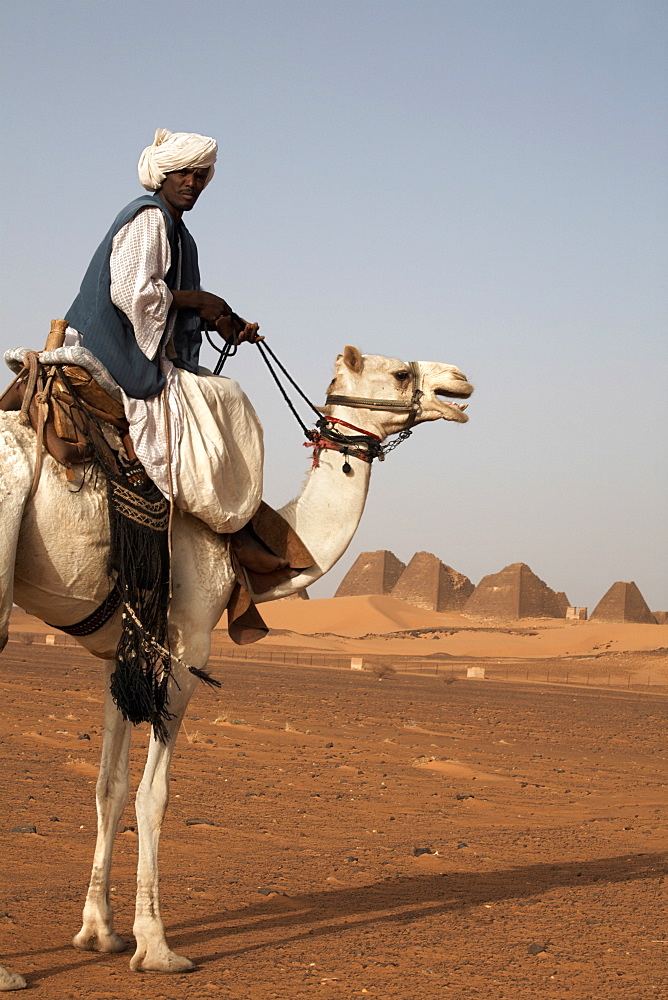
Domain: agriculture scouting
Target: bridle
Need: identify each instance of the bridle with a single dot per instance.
(411, 407)
(365, 445)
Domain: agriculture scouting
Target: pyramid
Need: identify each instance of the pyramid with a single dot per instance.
(371, 573)
(515, 592)
(428, 583)
(623, 603)
(562, 603)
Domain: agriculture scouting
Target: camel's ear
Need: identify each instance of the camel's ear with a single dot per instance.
(352, 358)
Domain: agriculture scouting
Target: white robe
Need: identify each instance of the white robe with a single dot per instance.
(204, 424)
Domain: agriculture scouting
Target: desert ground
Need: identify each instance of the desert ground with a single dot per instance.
(401, 831)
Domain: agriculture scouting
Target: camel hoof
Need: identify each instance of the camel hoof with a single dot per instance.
(163, 961)
(92, 941)
(10, 981)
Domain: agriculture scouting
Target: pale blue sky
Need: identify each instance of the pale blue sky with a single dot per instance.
(479, 182)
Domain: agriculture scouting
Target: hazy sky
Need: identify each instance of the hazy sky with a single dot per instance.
(477, 182)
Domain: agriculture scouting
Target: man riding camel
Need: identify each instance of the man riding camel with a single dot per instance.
(140, 311)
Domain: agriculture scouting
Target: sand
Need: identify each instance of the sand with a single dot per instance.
(419, 836)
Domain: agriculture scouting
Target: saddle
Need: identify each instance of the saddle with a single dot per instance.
(64, 404)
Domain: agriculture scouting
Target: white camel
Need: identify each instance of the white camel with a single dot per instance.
(52, 564)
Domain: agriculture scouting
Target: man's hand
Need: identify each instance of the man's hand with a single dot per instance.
(236, 330)
(217, 315)
(249, 334)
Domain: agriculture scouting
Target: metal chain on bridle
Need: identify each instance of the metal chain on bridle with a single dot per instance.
(363, 445)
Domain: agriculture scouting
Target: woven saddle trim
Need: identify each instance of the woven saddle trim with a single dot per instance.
(96, 620)
(148, 513)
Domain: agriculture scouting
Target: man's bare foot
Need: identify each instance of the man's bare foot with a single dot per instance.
(252, 554)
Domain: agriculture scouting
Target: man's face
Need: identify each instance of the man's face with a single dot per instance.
(181, 189)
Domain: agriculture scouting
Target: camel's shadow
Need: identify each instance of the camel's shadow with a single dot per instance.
(402, 899)
(394, 900)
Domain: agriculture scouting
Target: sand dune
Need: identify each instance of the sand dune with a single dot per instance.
(351, 616)
(378, 618)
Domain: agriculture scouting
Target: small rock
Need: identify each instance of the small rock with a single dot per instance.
(352, 859)
(267, 890)
(464, 795)
(26, 828)
(418, 851)
(328, 746)
(199, 822)
(83, 736)
(535, 949)
(54, 819)
(462, 843)
(128, 829)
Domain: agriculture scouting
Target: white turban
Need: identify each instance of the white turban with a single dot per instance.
(173, 151)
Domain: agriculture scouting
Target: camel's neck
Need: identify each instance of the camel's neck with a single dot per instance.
(325, 516)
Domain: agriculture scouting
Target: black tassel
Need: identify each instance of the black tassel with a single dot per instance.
(203, 675)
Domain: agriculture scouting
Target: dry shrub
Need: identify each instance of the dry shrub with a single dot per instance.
(382, 670)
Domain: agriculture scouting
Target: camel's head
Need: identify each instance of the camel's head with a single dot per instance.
(430, 386)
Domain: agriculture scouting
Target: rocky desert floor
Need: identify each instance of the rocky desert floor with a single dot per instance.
(332, 834)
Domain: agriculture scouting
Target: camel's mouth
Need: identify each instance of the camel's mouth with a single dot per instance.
(451, 410)
(452, 395)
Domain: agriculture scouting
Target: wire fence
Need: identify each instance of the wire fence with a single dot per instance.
(446, 668)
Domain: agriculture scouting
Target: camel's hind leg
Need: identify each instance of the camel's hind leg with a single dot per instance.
(97, 931)
(153, 954)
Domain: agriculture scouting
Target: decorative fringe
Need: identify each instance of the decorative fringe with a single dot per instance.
(139, 562)
(205, 676)
(139, 558)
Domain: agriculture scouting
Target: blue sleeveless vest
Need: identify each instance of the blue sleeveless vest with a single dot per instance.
(108, 333)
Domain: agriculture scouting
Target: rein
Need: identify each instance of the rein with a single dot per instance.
(364, 445)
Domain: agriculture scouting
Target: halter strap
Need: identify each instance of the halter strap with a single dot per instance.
(344, 423)
(393, 405)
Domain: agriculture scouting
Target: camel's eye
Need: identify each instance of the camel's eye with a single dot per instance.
(402, 376)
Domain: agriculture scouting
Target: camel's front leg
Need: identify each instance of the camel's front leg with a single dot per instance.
(97, 932)
(153, 953)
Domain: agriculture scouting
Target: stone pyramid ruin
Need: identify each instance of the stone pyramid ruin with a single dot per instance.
(371, 573)
(623, 603)
(515, 592)
(428, 583)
